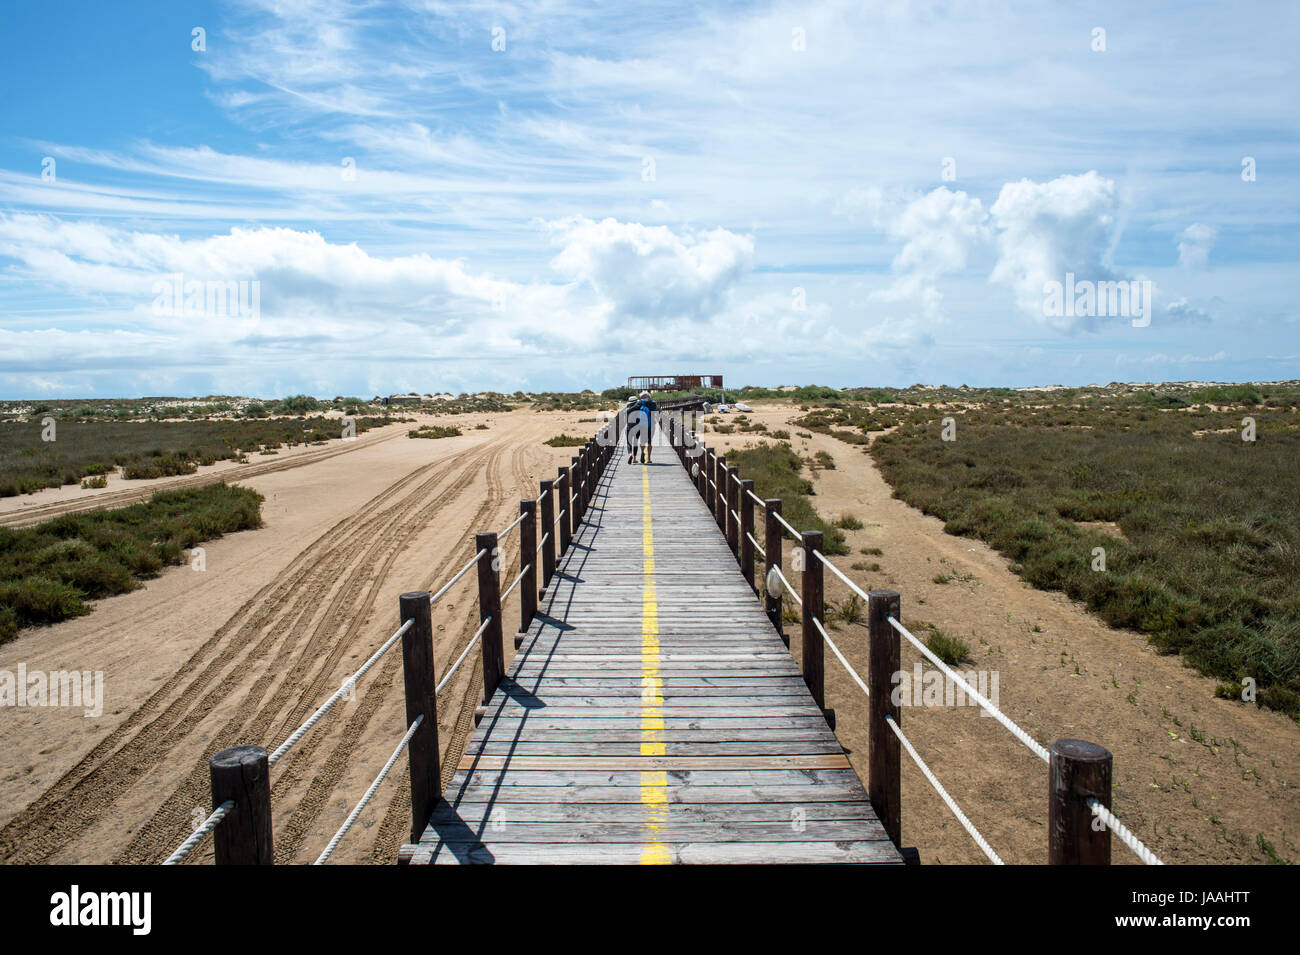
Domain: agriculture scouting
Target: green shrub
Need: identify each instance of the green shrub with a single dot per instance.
(951, 650)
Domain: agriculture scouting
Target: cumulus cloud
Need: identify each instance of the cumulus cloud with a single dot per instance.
(1045, 230)
(1194, 245)
(940, 232)
(651, 271)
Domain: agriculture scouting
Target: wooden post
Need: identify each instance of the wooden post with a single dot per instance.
(1078, 771)
(563, 509)
(747, 533)
(701, 480)
(884, 780)
(548, 527)
(720, 502)
(707, 467)
(732, 505)
(528, 558)
(813, 647)
(241, 774)
(489, 605)
(575, 498)
(772, 544)
(421, 700)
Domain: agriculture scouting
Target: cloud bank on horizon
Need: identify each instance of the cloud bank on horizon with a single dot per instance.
(277, 196)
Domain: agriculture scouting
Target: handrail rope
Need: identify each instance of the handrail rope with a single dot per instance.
(788, 588)
(1139, 849)
(736, 515)
(943, 794)
(757, 499)
(839, 656)
(545, 538)
(1125, 834)
(786, 525)
(513, 525)
(198, 835)
(735, 476)
(461, 573)
(558, 518)
(1034, 746)
(347, 687)
(374, 786)
(469, 646)
(757, 545)
(527, 568)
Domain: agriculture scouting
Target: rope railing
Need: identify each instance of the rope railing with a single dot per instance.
(786, 524)
(943, 794)
(348, 686)
(240, 774)
(446, 677)
(199, 834)
(459, 574)
(1073, 755)
(369, 794)
(511, 526)
(506, 593)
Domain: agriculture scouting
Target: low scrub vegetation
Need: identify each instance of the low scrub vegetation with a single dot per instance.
(48, 572)
(144, 449)
(434, 431)
(775, 470)
(565, 441)
(1208, 549)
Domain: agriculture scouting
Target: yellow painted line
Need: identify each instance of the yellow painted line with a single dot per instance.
(654, 785)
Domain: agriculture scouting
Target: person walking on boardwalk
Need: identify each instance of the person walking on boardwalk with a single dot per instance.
(648, 409)
(632, 428)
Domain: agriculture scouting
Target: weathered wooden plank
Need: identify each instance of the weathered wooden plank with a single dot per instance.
(736, 853)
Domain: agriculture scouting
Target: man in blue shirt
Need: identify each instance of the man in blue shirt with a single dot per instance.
(648, 409)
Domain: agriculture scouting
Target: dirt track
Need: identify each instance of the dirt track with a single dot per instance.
(316, 613)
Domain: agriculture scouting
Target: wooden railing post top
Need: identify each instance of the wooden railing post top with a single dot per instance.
(1080, 751)
(486, 539)
(245, 754)
(546, 485)
(884, 594)
(413, 595)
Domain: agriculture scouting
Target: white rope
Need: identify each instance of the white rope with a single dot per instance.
(757, 545)
(469, 646)
(839, 656)
(1035, 747)
(545, 538)
(515, 523)
(560, 518)
(1125, 835)
(1121, 830)
(357, 810)
(735, 476)
(461, 573)
(199, 834)
(943, 794)
(840, 574)
(527, 567)
(348, 685)
(757, 500)
(788, 589)
(797, 535)
(736, 516)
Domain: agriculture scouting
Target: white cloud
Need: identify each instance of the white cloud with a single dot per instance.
(1194, 245)
(1045, 230)
(651, 271)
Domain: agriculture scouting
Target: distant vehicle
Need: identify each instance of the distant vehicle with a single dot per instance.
(741, 406)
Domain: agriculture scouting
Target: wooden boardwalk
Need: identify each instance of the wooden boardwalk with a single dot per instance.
(652, 713)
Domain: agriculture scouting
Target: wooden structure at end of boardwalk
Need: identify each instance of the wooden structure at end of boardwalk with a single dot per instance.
(652, 713)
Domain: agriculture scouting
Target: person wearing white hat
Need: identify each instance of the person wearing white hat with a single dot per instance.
(648, 409)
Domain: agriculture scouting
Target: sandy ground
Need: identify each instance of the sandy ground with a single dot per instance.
(244, 650)
(1199, 779)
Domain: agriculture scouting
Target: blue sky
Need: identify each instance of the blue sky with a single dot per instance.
(846, 193)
